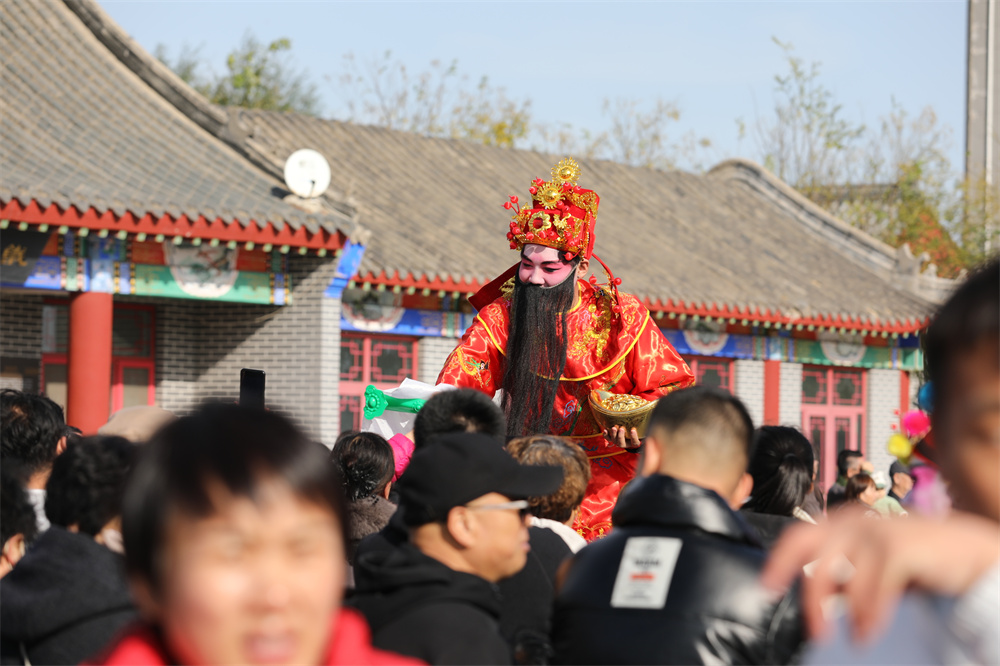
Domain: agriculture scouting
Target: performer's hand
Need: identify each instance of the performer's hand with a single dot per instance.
(623, 438)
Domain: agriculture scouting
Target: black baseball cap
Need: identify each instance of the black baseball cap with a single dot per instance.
(455, 468)
(899, 468)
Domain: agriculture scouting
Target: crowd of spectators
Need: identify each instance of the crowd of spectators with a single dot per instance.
(228, 536)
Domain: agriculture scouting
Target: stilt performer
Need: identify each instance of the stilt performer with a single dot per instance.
(547, 336)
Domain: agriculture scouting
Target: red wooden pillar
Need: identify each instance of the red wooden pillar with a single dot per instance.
(772, 392)
(89, 365)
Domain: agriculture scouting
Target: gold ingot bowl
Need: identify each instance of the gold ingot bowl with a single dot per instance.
(616, 409)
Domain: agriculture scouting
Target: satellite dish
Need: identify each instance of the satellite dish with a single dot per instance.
(307, 173)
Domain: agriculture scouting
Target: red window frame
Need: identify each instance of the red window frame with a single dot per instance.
(700, 363)
(353, 390)
(118, 363)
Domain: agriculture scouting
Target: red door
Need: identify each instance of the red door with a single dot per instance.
(833, 415)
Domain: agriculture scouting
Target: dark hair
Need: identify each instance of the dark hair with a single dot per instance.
(856, 485)
(88, 482)
(557, 452)
(30, 429)
(535, 354)
(707, 408)
(781, 468)
(460, 410)
(970, 316)
(844, 459)
(235, 446)
(365, 463)
(17, 515)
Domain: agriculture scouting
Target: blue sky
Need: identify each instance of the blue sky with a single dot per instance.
(716, 60)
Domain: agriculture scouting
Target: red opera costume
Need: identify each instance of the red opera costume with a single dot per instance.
(612, 343)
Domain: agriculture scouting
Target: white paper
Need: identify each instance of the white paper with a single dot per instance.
(400, 423)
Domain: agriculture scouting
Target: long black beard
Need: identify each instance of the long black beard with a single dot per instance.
(535, 354)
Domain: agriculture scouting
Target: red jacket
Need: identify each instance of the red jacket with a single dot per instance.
(350, 644)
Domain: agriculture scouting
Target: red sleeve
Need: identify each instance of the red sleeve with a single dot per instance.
(655, 366)
(475, 363)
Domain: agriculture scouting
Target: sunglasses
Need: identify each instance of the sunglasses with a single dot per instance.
(522, 507)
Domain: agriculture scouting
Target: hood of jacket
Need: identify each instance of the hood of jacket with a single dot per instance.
(62, 579)
(368, 516)
(391, 583)
(663, 501)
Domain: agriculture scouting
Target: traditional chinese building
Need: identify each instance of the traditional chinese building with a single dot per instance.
(811, 322)
(144, 259)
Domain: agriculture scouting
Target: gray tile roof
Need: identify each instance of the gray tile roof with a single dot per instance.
(434, 208)
(79, 128)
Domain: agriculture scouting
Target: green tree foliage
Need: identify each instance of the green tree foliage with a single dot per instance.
(893, 181)
(258, 76)
(439, 101)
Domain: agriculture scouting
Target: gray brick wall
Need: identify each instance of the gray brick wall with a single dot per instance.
(883, 401)
(432, 353)
(202, 346)
(20, 325)
(790, 395)
(749, 385)
(329, 388)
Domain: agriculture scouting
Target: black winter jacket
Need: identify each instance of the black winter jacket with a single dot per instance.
(525, 598)
(64, 600)
(714, 611)
(417, 606)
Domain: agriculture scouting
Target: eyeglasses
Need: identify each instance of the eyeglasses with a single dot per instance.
(522, 506)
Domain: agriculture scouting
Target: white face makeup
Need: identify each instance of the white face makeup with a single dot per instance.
(543, 266)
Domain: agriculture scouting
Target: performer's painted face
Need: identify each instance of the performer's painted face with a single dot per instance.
(543, 266)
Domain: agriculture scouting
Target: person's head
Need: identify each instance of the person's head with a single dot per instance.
(782, 470)
(32, 430)
(901, 478)
(962, 361)
(563, 504)
(136, 424)
(234, 522)
(17, 519)
(365, 463)
(547, 267)
(849, 462)
(861, 488)
(464, 500)
(84, 492)
(459, 410)
(703, 436)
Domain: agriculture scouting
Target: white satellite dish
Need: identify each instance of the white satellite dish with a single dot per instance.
(307, 173)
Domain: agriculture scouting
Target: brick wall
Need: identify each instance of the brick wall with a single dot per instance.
(201, 347)
(329, 374)
(20, 325)
(20, 341)
(749, 385)
(433, 352)
(790, 397)
(883, 402)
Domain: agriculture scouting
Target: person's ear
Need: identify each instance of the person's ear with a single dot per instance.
(583, 268)
(461, 526)
(13, 551)
(385, 491)
(741, 492)
(652, 456)
(145, 599)
(60, 445)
